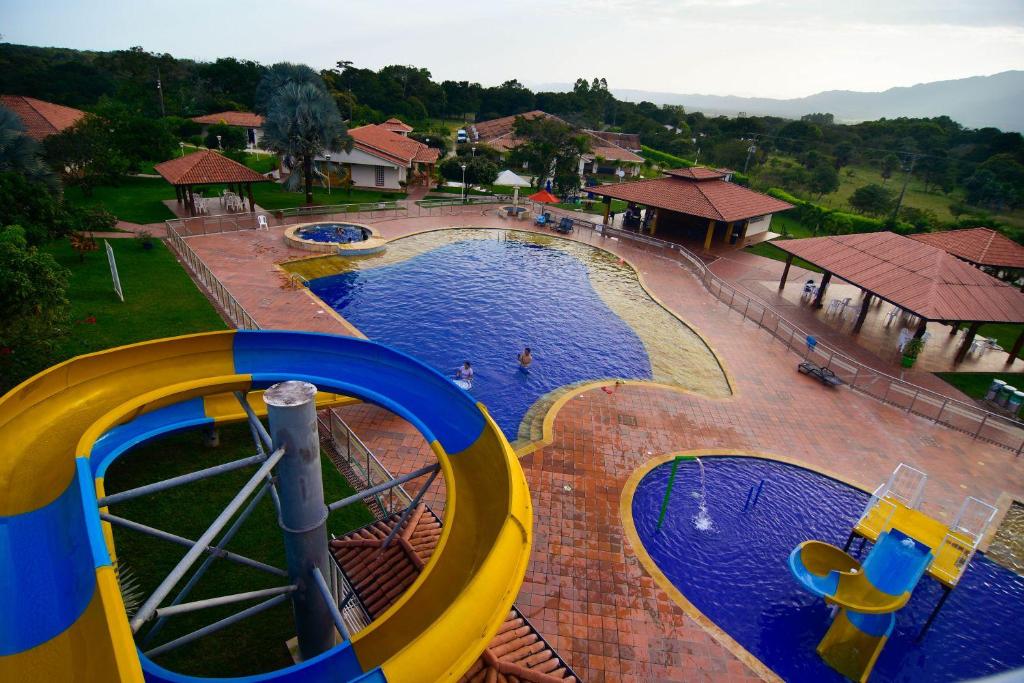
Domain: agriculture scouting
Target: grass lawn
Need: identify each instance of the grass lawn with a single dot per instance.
(256, 644)
(766, 250)
(1004, 333)
(975, 384)
(160, 299)
(791, 227)
(272, 196)
(137, 200)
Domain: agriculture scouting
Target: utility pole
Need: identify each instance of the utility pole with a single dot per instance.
(903, 190)
(750, 152)
(160, 92)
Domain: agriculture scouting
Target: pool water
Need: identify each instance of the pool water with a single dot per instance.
(483, 300)
(737, 575)
(340, 233)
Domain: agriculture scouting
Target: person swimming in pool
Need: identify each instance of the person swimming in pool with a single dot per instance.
(465, 372)
(525, 359)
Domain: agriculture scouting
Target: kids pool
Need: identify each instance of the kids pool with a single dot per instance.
(339, 233)
(736, 574)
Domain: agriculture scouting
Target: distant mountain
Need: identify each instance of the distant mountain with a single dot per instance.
(975, 102)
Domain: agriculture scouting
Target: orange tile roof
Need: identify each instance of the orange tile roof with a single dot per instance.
(713, 198)
(696, 173)
(206, 167)
(496, 128)
(243, 119)
(630, 141)
(379, 579)
(41, 119)
(913, 275)
(397, 125)
(600, 147)
(983, 246)
(378, 140)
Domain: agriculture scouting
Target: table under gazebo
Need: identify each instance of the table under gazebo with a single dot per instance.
(913, 276)
(208, 167)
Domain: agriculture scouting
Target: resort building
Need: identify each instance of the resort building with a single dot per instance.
(695, 205)
(41, 119)
(252, 123)
(607, 155)
(397, 126)
(381, 158)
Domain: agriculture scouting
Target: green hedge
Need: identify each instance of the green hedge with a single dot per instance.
(839, 222)
(664, 158)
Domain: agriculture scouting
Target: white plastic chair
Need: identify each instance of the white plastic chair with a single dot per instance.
(261, 223)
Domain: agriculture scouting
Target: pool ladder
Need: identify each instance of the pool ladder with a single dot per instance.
(755, 493)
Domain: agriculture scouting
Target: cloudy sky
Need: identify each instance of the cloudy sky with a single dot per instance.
(771, 48)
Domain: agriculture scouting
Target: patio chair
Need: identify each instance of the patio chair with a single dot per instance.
(501, 214)
(541, 219)
(564, 226)
(261, 223)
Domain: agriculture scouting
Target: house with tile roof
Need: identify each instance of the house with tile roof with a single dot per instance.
(695, 205)
(397, 126)
(247, 120)
(381, 159)
(41, 119)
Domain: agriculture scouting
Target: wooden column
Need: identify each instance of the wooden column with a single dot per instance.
(821, 290)
(863, 312)
(177, 193)
(252, 202)
(709, 235)
(785, 271)
(1015, 351)
(654, 221)
(191, 201)
(922, 327)
(953, 327)
(966, 345)
(728, 233)
(607, 208)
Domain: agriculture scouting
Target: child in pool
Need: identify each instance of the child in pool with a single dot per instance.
(525, 359)
(465, 372)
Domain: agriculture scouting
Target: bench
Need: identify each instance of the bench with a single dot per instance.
(823, 375)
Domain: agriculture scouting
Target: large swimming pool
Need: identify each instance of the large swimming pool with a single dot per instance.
(736, 574)
(484, 300)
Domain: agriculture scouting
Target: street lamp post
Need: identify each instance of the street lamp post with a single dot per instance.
(463, 183)
(182, 146)
(219, 146)
(328, 157)
(474, 150)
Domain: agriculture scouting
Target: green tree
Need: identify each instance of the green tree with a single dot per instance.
(18, 152)
(86, 155)
(303, 122)
(843, 154)
(33, 205)
(277, 77)
(872, 199)
(481, 171)
(823, 180)
(232, 138)
(35, 307)
(551, 149)
(890, 162)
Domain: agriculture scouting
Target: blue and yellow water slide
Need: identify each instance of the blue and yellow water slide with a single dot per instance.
(61, 613)
(868, 595)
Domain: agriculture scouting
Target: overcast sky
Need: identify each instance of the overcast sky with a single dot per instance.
(771, 48)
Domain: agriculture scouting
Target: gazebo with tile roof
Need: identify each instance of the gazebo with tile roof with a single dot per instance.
(982, 247)
(207, 167)
(696, 203)
(914, 276)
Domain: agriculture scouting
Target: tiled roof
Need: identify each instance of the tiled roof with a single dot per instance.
(630, 141)
(397, 125)
(379, 141)
(205, 167)
(244, 119)
(913, 275)
(41, 119)
(983, 246)
(697, 173)
(602, 148)
(495, 128)
(379, 579)
(713, 198)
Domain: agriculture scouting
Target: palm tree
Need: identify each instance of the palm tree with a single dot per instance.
(20, 153)
(302, 122)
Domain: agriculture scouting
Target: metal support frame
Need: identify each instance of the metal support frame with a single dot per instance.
(408, 511)
(356, 497)
(216, 626)
(186, 607)
(254, 421)
(188, 542)
(325, 593)
(214, 554)
(946, 590)
(198, 475)
(186, 562)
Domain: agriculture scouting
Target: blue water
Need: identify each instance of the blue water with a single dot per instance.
(483, 300)
(340, 233)
(737, 575)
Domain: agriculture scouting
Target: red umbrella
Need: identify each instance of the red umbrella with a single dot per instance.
(543, 197)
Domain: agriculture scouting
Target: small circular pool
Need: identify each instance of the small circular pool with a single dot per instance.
(725, 547)
(338, 233)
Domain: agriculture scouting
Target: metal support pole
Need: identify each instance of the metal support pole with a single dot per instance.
(325, 593)
(408, 511)
(186, 562)
(216, 626)
(291, 412)
(380, 488)
(185, 607)
(187, 542)
(942, 601)
(199, 475)
(254, 421)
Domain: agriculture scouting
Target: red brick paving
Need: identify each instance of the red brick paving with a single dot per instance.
(585, 590)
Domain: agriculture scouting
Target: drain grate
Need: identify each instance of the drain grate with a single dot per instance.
(929, 441)
(628, 420)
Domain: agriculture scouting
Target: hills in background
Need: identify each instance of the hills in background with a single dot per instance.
(975, 102)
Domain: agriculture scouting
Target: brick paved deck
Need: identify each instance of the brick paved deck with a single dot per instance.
(585, 590)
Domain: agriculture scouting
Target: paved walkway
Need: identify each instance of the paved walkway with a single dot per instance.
(585, 590)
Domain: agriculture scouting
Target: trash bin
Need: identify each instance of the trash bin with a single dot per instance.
(1004, 395)
(1016, 399)
(994, 389)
